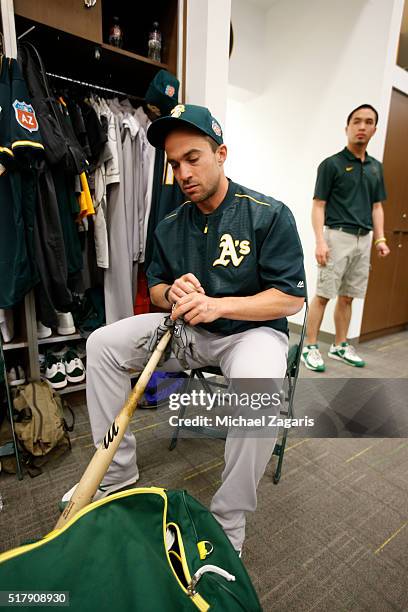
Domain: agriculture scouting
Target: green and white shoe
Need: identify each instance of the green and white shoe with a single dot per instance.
(347, 353)
(55, 372)
(312, 358)
(74, 367)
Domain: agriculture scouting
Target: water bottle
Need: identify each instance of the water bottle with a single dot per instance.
(115, 34)
(155, 40)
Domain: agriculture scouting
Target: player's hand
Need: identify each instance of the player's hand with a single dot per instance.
(382, 249)
(197, 308)
(188, 283)
(322, 253)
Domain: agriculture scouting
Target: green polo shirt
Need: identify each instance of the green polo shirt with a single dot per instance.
(350, 187)
(248, 244)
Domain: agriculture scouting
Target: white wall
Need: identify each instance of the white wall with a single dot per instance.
(296, 71)
(208, 23)
(245, 79)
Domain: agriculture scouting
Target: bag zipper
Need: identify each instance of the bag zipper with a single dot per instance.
(197, 599)
(226, 589)
(189, 516)
(221, 584)
(201, 544)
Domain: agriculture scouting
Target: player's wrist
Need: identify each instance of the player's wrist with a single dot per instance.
(227, 306)
(380, 241)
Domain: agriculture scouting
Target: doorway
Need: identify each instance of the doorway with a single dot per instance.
(386, 303)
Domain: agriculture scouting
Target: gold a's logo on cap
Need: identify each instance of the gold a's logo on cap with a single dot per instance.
(177, 110)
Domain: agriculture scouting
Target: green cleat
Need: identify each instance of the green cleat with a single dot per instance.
(312, 358)
(346, 352)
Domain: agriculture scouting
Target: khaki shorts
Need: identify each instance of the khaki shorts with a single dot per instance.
(348, 266)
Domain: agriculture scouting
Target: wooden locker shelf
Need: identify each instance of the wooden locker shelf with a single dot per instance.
(15, 344)
(71, 387)
(71, 16)
(57, 338)
(134, 56)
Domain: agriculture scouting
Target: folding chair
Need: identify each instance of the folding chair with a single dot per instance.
(287, 394)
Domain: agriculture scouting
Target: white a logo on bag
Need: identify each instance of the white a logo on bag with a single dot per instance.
(229, 253)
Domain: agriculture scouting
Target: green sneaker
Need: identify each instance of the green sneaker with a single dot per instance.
(312, 358)
(74, 367)
(55, 371)
(347, 353)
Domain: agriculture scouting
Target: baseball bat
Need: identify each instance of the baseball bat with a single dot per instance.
(104, 454)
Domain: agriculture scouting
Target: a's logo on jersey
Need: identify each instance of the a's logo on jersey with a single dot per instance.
(349, 168)
(229, 248)
(177, 110)
(300, 284)
(169, 91)
(25, 115)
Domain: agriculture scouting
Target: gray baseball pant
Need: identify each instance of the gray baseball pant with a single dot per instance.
(258, 353)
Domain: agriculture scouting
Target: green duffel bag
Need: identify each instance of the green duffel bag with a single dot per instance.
(144, 549)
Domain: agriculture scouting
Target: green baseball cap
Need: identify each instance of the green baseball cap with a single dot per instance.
(191, 115)
(163, 91)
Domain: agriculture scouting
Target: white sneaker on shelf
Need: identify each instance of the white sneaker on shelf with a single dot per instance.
(55, 372)
(43, 331)
(16, 376)
(7, 324)
(74, 367)
(66, 324)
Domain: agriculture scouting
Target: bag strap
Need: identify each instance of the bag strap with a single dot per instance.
(67, 427)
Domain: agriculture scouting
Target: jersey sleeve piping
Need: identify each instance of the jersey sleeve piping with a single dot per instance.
(174, 214)
(27, 143)
(244, 195)
(7, 151)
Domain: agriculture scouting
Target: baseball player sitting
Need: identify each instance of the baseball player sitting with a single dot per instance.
(230, 261)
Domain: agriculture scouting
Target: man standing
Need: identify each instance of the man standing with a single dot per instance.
(347, 206)
(231, 261)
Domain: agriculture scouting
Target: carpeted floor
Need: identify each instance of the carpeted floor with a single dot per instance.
(332, 535)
